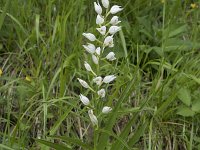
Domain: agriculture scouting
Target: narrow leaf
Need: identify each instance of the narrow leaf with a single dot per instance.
(74, 141)
(53, 145)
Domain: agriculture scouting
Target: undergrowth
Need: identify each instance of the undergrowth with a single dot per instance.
(156, 96)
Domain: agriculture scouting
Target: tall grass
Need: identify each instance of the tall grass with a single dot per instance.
(156, 96)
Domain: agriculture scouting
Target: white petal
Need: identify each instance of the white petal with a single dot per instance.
(109, 41)
(101, 93)
(89, 36)
(98, 51)
(95, 59)
(83, 83)
(105, 3)
(87, 66)
(98, 80)
(90, 48)
(111, 56)
(97, 8)
(99, 20)
(109, 78)
(84, 99)
(115, 9)
(114, 29)
(93, 118)
(102, 30)
(114, 20)
(106, 110)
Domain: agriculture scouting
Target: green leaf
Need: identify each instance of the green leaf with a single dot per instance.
(53, 145)
(67, 63)
(5, 147)
(138, 133)
(178, 30)
(118, 138)
(193, 78)
(73, 141)
(196, 106)
(3, 15)
(60, 120)
(175, 44)
(166, 103)
(104, 138)
(185, 111)
(15, 20)
(37, 27)
(124, 133)
(184, 96)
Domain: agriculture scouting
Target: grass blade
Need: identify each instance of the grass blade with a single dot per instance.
(6, 147)
(73, 141)
(3, 15)
(53, 145)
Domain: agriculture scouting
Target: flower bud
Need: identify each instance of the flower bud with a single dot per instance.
(84, 99)
(83, 83)
(108, 79)
(1, 71)
(101, 93)
(98, 80)
(102, 30)
(114, 20)
(99, 20)
(87, 66)
(98, 51)
(115, 9)
(90, 48)
(108, 41)
(114, 29)
(95, 59)
(89, 36)
(98, 8)
(28, 78)
(105, 3)
(93, 118)
(111, 56)
(106, 110)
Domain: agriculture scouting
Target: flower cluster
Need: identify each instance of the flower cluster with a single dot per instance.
(96, 47)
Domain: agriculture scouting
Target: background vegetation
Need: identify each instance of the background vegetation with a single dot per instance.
(156, 94)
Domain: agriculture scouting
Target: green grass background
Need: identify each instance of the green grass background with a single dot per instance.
(156, 95)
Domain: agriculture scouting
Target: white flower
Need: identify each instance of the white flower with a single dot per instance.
(87, 66)
(108, 79)
(97, 8)
(90, 48)
(108, 41)
(114, 29)
(83, 83)
(106, 110)
(95, 59)
(105, 3)
(93, 118)
(101, 93)
(114, 20)
(111, 56)
(84, 99)
(98, 51)
(98, 80)
(89, 36)
(115, 9)
(99, 20)
(102, 30)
